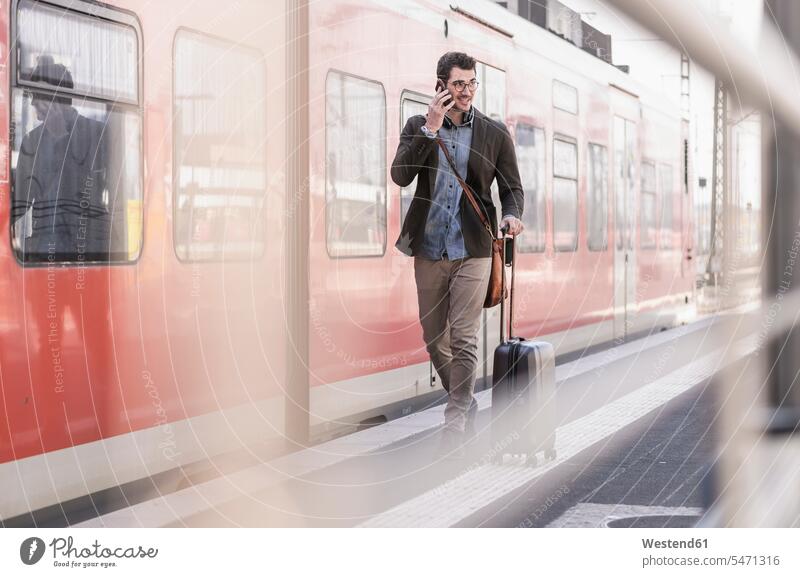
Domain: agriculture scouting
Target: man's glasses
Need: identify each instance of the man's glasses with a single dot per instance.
(461, 86)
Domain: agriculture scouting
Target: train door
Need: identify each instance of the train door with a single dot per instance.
(625, 141)
(411, 104)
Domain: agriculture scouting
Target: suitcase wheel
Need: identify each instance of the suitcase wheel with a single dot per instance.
(550, 455)
(531, 460)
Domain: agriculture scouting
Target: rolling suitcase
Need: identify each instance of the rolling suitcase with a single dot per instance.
(523, 388)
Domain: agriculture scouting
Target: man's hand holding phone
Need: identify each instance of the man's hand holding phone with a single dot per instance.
(441, 103)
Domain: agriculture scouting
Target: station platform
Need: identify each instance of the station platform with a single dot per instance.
(634, 441)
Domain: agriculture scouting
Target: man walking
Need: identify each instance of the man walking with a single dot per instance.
(444, 234)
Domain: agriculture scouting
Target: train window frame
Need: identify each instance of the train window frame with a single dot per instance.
(385, 172)
(574, 143)
(115, 15)
(418, 98)
(220, 257)
(589, 197)
(541, 248)
(648, 243)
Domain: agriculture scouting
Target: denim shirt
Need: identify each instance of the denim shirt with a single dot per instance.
(443, 238)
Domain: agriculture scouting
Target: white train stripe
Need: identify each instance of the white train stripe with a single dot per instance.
(589, 515)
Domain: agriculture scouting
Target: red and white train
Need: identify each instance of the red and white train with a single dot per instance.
(168, 345)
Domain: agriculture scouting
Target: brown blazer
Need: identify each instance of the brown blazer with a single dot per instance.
(492, 156)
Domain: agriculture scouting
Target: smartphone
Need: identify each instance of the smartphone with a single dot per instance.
(440, 85)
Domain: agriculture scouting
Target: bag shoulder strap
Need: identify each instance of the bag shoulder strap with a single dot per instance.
(466, 188)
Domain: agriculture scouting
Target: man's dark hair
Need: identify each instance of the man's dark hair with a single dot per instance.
(48, 72)
(453, 60)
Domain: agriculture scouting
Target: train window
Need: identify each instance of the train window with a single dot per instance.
(411, 106)
(491, 100)
(597, 199)
(565, 97)
(531, 159)
(76, 131)
(355, 167)
(565, 195)
(219, 134)
(100, 55)
(491, 97)
(666, 184)
(647, 222)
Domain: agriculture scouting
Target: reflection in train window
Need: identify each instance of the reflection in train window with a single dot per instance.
(531, 158)
(647, 222)
(666, 184)
(410, 107)
(597, 198)
(355, 166)
(75, 137)
(565, 195)
(219, 130)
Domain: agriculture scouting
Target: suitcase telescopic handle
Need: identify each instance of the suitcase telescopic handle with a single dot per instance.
(508, 260)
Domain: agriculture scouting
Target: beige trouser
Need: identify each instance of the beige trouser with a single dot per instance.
(451, 295)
